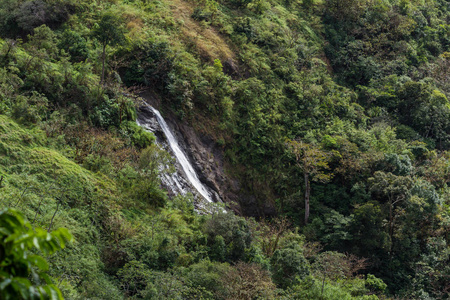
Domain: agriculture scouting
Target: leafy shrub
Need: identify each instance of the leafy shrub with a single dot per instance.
(248, 281)
(165, 286)
(134, 278)
(29, 109)
(74, 44)
(375, 284)
(288, 265)
(150, 63)
(139, 137)
(32, 14)
(43, 43)
(149, 192)
(200, 14)
(106, 114)
(204, 279)
(97, 163)
(21, 17)
(19, 263)
(235, 233)
(218, 249)
(153, 161)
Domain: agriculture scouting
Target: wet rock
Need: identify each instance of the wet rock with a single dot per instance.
(207, 158)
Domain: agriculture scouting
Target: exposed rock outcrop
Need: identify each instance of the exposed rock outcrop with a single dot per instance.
(208, 160)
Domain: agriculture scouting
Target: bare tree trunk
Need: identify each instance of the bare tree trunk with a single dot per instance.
(323, 284)
(51, 222)
(307, 193)
(5, 58)
(37, 211)
(21, 196)
(103, 64)
(391, 218)
(391, 226)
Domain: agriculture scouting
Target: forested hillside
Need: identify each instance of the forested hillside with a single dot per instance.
(333, 116)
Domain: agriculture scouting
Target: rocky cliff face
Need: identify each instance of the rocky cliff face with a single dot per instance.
(208, 161)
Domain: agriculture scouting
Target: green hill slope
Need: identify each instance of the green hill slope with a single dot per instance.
(335, 113)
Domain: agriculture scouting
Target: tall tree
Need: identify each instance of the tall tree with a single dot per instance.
(396, 189)
(314, 164)
(108, 31)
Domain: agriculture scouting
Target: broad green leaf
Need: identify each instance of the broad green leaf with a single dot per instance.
(5, 283)
(38, 262)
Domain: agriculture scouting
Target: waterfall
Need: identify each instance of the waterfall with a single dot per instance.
(182, 159)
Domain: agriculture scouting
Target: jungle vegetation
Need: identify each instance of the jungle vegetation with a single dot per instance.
(334, 112)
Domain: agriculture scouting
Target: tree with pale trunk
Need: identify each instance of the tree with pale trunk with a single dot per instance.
(314, 164)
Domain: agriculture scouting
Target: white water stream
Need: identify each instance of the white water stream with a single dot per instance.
(181, 158)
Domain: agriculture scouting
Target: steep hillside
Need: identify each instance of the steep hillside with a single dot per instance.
(333, 116)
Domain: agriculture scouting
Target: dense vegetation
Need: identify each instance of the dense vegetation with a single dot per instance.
(334, 112)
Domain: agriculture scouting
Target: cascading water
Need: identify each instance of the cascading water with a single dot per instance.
(187, 167)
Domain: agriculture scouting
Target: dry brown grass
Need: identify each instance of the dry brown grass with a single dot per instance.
(208, 42)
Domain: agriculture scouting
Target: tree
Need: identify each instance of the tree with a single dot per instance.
(235, 232)
(396, 189)
(425, 109)
(313, 162)
(248, 281)
(134, 278)
(271, 234)
(74, 44)
(153, 162)
(18, 263)
(288, 264)
(205, 280)
(345, 10)
(32, 14)
(42, 43)
(436, 168)
(108, 32)
(335, 266)
(369, 238)
(433, 270)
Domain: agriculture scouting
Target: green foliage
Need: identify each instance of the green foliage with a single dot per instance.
(218, 249)
(361, 86)
(29, 110)
(335, 230)
(375, 284)
(150, 192)
(135, 278)
(137, 134)
(204, 280)
(149, 62)
(367, 229)
(311, 289)
(165, 286)
(74, 44)
(153, 161)
(43, 42)
(288, 265)
(230, 231)
(109, 30)
(18, 241)
(20, 17)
